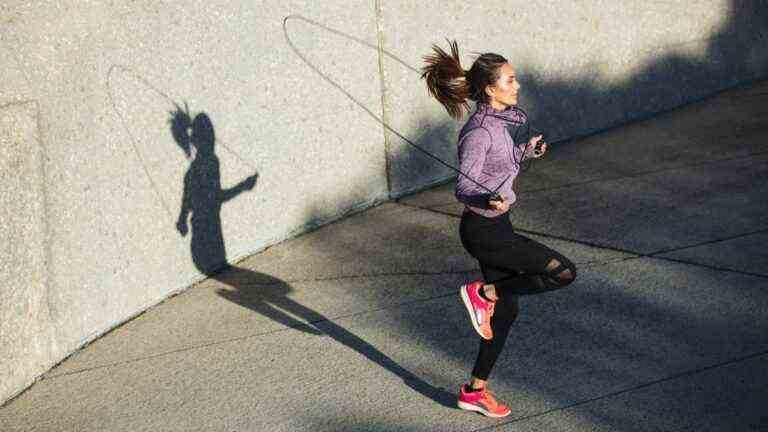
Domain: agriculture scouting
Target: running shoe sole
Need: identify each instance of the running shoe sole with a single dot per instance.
(471, 311)
(472, 407)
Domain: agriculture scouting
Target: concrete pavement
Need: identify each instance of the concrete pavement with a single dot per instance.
(357, 326)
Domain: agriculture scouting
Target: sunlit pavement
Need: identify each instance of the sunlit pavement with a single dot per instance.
(358, 326)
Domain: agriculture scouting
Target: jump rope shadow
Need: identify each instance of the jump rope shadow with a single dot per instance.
(202, 201)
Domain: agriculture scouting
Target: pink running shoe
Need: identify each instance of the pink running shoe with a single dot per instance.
(480, 310)
(482, 401)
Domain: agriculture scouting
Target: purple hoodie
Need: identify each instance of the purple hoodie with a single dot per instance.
(488, 155)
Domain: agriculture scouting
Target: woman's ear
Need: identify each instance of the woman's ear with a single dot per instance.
(490, 90)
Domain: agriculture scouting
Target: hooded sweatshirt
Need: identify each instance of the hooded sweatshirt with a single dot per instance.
(489, 156)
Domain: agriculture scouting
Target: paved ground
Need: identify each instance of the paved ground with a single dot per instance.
(357, 326)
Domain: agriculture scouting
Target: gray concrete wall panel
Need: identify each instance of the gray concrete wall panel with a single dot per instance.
(24, 319)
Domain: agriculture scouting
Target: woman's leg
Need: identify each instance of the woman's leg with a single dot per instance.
(506, 311)
(512, 264)
(474, 397)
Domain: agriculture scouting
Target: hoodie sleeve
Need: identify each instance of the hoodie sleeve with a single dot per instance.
(473, 147)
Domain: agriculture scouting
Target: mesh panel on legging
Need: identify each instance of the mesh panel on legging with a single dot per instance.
(560, 272)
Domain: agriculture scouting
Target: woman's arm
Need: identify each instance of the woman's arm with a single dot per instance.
(181, 223)
(245, 185)
(473, 147)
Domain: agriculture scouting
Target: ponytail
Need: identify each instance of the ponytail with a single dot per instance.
(446, 80)
(451, 85)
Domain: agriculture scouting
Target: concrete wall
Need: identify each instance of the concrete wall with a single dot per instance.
(93, 180)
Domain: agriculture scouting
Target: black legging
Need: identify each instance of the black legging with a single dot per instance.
(517, 266)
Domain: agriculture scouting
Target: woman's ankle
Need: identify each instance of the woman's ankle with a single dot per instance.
(476, 384)
(489, 292)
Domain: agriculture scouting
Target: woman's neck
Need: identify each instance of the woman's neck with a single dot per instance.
(498, 106)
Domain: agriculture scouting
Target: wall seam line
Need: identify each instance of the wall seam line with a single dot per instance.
(383, 89)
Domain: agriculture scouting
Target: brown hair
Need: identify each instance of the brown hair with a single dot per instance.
(451, 85)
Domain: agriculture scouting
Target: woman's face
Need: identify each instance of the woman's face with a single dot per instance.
(503, 93)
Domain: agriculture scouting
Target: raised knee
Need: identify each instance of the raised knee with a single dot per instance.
(561, 274)
(566, 277)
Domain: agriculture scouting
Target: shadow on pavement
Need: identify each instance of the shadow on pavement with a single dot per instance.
(268, 296)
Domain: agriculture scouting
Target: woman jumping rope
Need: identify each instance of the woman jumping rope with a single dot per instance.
(511, 264)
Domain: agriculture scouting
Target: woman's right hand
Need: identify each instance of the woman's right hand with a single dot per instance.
(250, 182)
(502, 206)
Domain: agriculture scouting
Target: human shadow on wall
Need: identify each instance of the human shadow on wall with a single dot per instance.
(203, 198)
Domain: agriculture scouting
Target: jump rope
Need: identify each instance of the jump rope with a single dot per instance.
(520, 132)
(515, 130)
